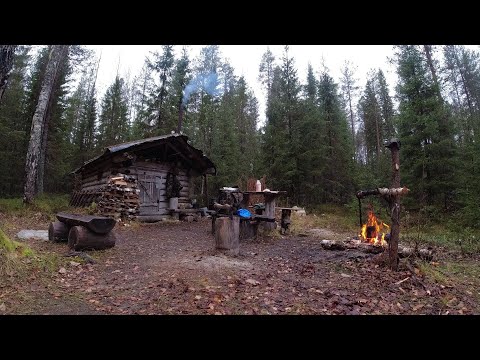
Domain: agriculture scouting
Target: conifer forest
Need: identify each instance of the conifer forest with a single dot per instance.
(316, 143)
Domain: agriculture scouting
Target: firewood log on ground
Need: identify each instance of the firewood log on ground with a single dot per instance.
(352, 244)
(80, 238)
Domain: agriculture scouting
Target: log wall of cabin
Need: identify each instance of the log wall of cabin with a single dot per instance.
(151, 177)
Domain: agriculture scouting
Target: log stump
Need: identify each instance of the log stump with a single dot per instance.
(286, 220)
(269, 211)
(80, 238)
(227, 235)
(248, 229)
(58, 231)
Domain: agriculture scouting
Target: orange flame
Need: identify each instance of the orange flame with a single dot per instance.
(374, 230)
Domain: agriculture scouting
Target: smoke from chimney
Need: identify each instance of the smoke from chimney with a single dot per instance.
(207, 82)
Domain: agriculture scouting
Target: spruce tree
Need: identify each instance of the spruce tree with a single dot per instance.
(428, 150)
(113, 121)
(338, 185)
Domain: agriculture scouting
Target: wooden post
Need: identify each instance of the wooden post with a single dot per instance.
(227, 235)
(286, 220)
(214, 218)
(248, 229)
(394, 202)
(269, 211)
(207, 200)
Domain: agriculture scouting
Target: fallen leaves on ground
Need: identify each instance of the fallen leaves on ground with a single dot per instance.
(173, 269)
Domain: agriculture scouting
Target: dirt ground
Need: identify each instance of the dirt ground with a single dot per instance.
(172, 268)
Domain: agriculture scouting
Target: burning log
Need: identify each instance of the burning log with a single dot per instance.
(371, 249)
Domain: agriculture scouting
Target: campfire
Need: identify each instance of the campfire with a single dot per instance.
(374, 231)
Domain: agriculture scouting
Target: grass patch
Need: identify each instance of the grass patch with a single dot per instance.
(466, 273)
(16, 257)
(466, 241)
(434, 273)
(420, 229)
(10, 254)
(45, 203)
(333, 218)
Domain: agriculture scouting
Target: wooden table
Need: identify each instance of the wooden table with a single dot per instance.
(269, 197)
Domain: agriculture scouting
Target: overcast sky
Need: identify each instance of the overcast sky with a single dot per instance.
(246, 59)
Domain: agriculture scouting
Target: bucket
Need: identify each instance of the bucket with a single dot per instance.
(173, 203)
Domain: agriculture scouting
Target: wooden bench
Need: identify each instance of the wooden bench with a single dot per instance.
(83, 231)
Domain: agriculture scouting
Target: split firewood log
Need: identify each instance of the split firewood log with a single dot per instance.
(332, 245)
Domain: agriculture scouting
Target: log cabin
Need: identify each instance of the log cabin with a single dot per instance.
(149, 161)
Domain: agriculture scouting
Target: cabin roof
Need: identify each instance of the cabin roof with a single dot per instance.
(156, 147)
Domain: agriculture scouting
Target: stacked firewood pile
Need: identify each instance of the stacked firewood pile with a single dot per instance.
(120, 198)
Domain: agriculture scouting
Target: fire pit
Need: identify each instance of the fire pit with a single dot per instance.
(374, 231)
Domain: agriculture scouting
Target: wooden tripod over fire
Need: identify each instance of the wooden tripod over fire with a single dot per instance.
(392, 196)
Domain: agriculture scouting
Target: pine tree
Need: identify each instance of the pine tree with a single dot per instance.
(113, 122)
(143, 86)
(312, 154)
(162, 64)
(282, 131)
(266, 68)
(349, 89)
(206, 84)
(461, 75)
(6, 62)
(180, 79)
(339, 157)
(428, 152)
(386, 106)
(371, 116)
(13, 124)
(376, 112)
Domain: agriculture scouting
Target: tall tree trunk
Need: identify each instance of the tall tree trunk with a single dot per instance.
(6, 63)
(377, 131)
(161, 98)
(428, 54)
(39, 185)
(34, 147)
(43, 151)
(464, 85)
(352, 123)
